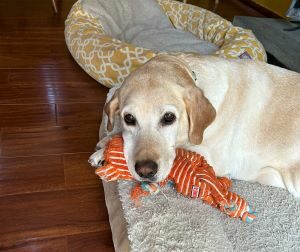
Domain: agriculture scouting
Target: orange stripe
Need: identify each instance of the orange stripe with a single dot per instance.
(184, 175)
(239, 204)
(174, 175)
(177, 178)
(216, 188)
(120, 164)
(188, 186)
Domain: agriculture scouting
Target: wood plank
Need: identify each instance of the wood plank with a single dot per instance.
(91, 242)
(31, 174)
(95, 241)
(82, 92)
(79, 113)
(78, 171)
(33, 35)
(60, 76)
(48, 140)
(35, 51)
(51, 215)
(23, 23)
(52, 93)
(18, 15)
(37, 42)
(48, 245)
(41, 48)
(10, 10)
(49, 86)
(27, 115)
(44, 61)
(31, 93)
(1, 134)
(227, 8)
(46, 173)
(4, 76)
(33, 8)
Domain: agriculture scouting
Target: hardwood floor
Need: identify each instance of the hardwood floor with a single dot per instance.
(50, 110)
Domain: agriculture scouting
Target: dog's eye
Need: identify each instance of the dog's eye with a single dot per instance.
(168, 118)
(129, 119)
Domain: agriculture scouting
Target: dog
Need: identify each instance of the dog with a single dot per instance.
(243, 116)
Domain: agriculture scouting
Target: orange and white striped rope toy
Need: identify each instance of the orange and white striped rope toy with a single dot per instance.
(191, 175)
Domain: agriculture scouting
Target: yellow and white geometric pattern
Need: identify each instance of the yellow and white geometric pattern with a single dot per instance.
(109, 60)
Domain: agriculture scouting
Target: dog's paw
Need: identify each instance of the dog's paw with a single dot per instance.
(96, 159)
(101, 144)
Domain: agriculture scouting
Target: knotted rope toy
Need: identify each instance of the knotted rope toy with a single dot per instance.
(191, 176)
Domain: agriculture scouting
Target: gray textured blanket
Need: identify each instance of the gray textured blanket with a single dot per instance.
(170, 222)
(143, 23)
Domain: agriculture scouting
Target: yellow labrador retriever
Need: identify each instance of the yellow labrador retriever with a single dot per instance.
(243, 116)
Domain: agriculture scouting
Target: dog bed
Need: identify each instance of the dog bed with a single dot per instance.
(93, 35)
(170, 222)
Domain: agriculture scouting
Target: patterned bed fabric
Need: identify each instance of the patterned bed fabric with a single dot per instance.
(109, 60)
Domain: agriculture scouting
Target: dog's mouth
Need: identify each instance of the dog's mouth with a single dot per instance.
(146, 168)
(149, 180)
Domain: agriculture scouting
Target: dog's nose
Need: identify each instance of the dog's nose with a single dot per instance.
(146, 168)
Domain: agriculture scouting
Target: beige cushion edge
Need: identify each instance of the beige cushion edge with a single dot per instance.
(116, 218)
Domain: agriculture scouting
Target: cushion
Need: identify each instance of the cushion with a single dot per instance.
(110, 60)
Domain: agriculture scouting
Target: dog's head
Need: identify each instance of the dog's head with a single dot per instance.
(160, 108)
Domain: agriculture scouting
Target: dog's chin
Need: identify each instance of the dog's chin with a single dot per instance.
(161, 178)
(150, 180)
(139, 179)
(156, 179)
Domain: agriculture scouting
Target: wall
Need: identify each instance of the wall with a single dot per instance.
(278, 6)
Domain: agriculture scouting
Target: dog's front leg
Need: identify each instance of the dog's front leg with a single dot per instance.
(97, 157)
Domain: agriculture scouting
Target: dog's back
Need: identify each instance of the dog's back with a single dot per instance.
(256, 134)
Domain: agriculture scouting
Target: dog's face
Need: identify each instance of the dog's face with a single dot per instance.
(160, 108)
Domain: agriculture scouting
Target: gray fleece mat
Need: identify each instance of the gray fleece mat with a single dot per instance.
(143, 23)
(170, 222)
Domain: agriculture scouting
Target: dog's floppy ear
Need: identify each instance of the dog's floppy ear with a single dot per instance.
(200, 111)
(110, 109)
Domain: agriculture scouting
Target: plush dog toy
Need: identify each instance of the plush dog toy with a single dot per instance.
(191, 175)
